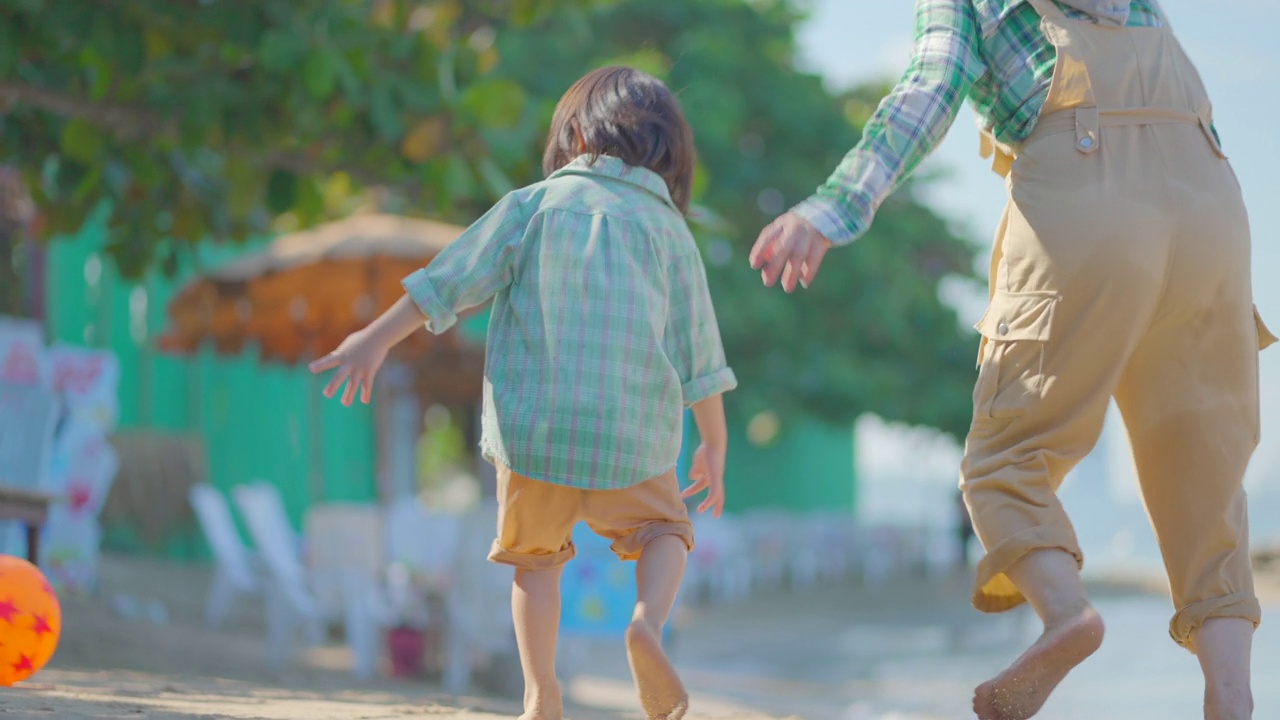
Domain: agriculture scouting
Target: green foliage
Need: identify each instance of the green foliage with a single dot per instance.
(198, 118)
(215, 118)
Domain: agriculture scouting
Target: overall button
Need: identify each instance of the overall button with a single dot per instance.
(1086, 143)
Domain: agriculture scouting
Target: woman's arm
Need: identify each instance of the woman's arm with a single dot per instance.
(909, 124)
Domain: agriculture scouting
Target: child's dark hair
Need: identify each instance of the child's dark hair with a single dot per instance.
(627, 114)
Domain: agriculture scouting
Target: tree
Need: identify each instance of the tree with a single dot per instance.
(213, 118)
(193, 119)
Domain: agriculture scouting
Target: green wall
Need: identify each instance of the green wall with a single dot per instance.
(258, 421)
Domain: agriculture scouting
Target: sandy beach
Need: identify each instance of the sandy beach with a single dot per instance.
(911, 650)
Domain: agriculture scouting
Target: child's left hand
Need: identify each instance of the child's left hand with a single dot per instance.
(357, 359)
(707, 473)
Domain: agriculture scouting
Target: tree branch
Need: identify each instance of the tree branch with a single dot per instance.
(128, 122)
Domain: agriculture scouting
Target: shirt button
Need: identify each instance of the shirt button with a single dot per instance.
(1086, 143)
(1003, 329)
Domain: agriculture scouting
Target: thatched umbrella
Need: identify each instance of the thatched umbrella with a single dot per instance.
(298, 297)
(302, 294)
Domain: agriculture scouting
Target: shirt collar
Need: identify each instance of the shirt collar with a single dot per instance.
(614, 168)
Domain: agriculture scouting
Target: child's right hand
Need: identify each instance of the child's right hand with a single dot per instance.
(707, 474)
(357, 360)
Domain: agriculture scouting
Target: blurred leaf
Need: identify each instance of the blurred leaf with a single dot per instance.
(649, 60)
(158, 43)
(425, 139)
(310, 203)
(8, 49)
(495, 180)
(281, 50)
(320, 74)
(81, 140)
(244, 187)
(497, 102)
(384, 114)
(282, 191)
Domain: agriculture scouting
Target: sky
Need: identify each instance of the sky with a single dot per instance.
(849, 41)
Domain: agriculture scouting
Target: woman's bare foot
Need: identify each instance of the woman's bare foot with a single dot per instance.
(662, 695)
(1020, 691)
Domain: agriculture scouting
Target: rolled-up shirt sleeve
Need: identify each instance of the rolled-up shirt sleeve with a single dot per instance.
(692, 334)
(474, 267)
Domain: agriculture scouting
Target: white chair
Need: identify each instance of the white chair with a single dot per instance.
(426, 542)
(291, 602)
(478, 602)
(345, 564)
(233, 573)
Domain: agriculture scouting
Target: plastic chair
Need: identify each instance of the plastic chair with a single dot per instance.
(234, 572)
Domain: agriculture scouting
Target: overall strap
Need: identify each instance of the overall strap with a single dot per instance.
(1048, 8)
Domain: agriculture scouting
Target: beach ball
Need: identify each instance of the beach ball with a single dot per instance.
(30, 620)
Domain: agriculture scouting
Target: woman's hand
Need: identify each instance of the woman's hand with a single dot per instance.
(791, 248)
(357, 360)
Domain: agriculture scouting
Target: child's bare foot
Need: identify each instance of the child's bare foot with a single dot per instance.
(540, 707)
(541, 714)
(1020, 691)
(662, 695)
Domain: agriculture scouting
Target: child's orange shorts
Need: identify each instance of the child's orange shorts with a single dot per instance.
(536, 519)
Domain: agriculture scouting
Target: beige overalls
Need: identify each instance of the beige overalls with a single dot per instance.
(1121, 268)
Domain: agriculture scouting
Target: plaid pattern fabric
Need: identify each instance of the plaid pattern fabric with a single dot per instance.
(602, 327)
(989, 51)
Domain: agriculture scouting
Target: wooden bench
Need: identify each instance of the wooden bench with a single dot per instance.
(30, 508)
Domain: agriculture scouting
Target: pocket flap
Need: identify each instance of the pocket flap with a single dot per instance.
(1265, 338)
(1013, 316)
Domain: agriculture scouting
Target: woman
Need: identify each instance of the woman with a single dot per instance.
(1121, 269)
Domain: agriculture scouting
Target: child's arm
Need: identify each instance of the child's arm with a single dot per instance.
(361, 354)
(707, 472)
(467, 273)
(696, 351)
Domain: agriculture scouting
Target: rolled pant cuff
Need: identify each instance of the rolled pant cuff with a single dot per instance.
(1189, 619)
(993, 591)
(631, 546)
(531, 561)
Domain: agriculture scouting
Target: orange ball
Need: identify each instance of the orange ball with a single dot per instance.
(30, 620)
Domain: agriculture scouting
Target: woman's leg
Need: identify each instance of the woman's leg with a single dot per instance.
(1050, 580)
(1224, 646)
(1189, 400)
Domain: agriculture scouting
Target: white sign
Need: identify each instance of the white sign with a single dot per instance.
(28, 415)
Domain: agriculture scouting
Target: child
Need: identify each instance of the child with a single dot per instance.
(602, 331)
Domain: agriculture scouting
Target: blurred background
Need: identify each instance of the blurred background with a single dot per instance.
(196, 198)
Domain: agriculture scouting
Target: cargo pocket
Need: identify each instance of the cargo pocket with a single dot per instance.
(1015, 330)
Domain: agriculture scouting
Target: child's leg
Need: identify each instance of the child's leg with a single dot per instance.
(535, 607)
(649, 523)
(535, 525)
(658, 574)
